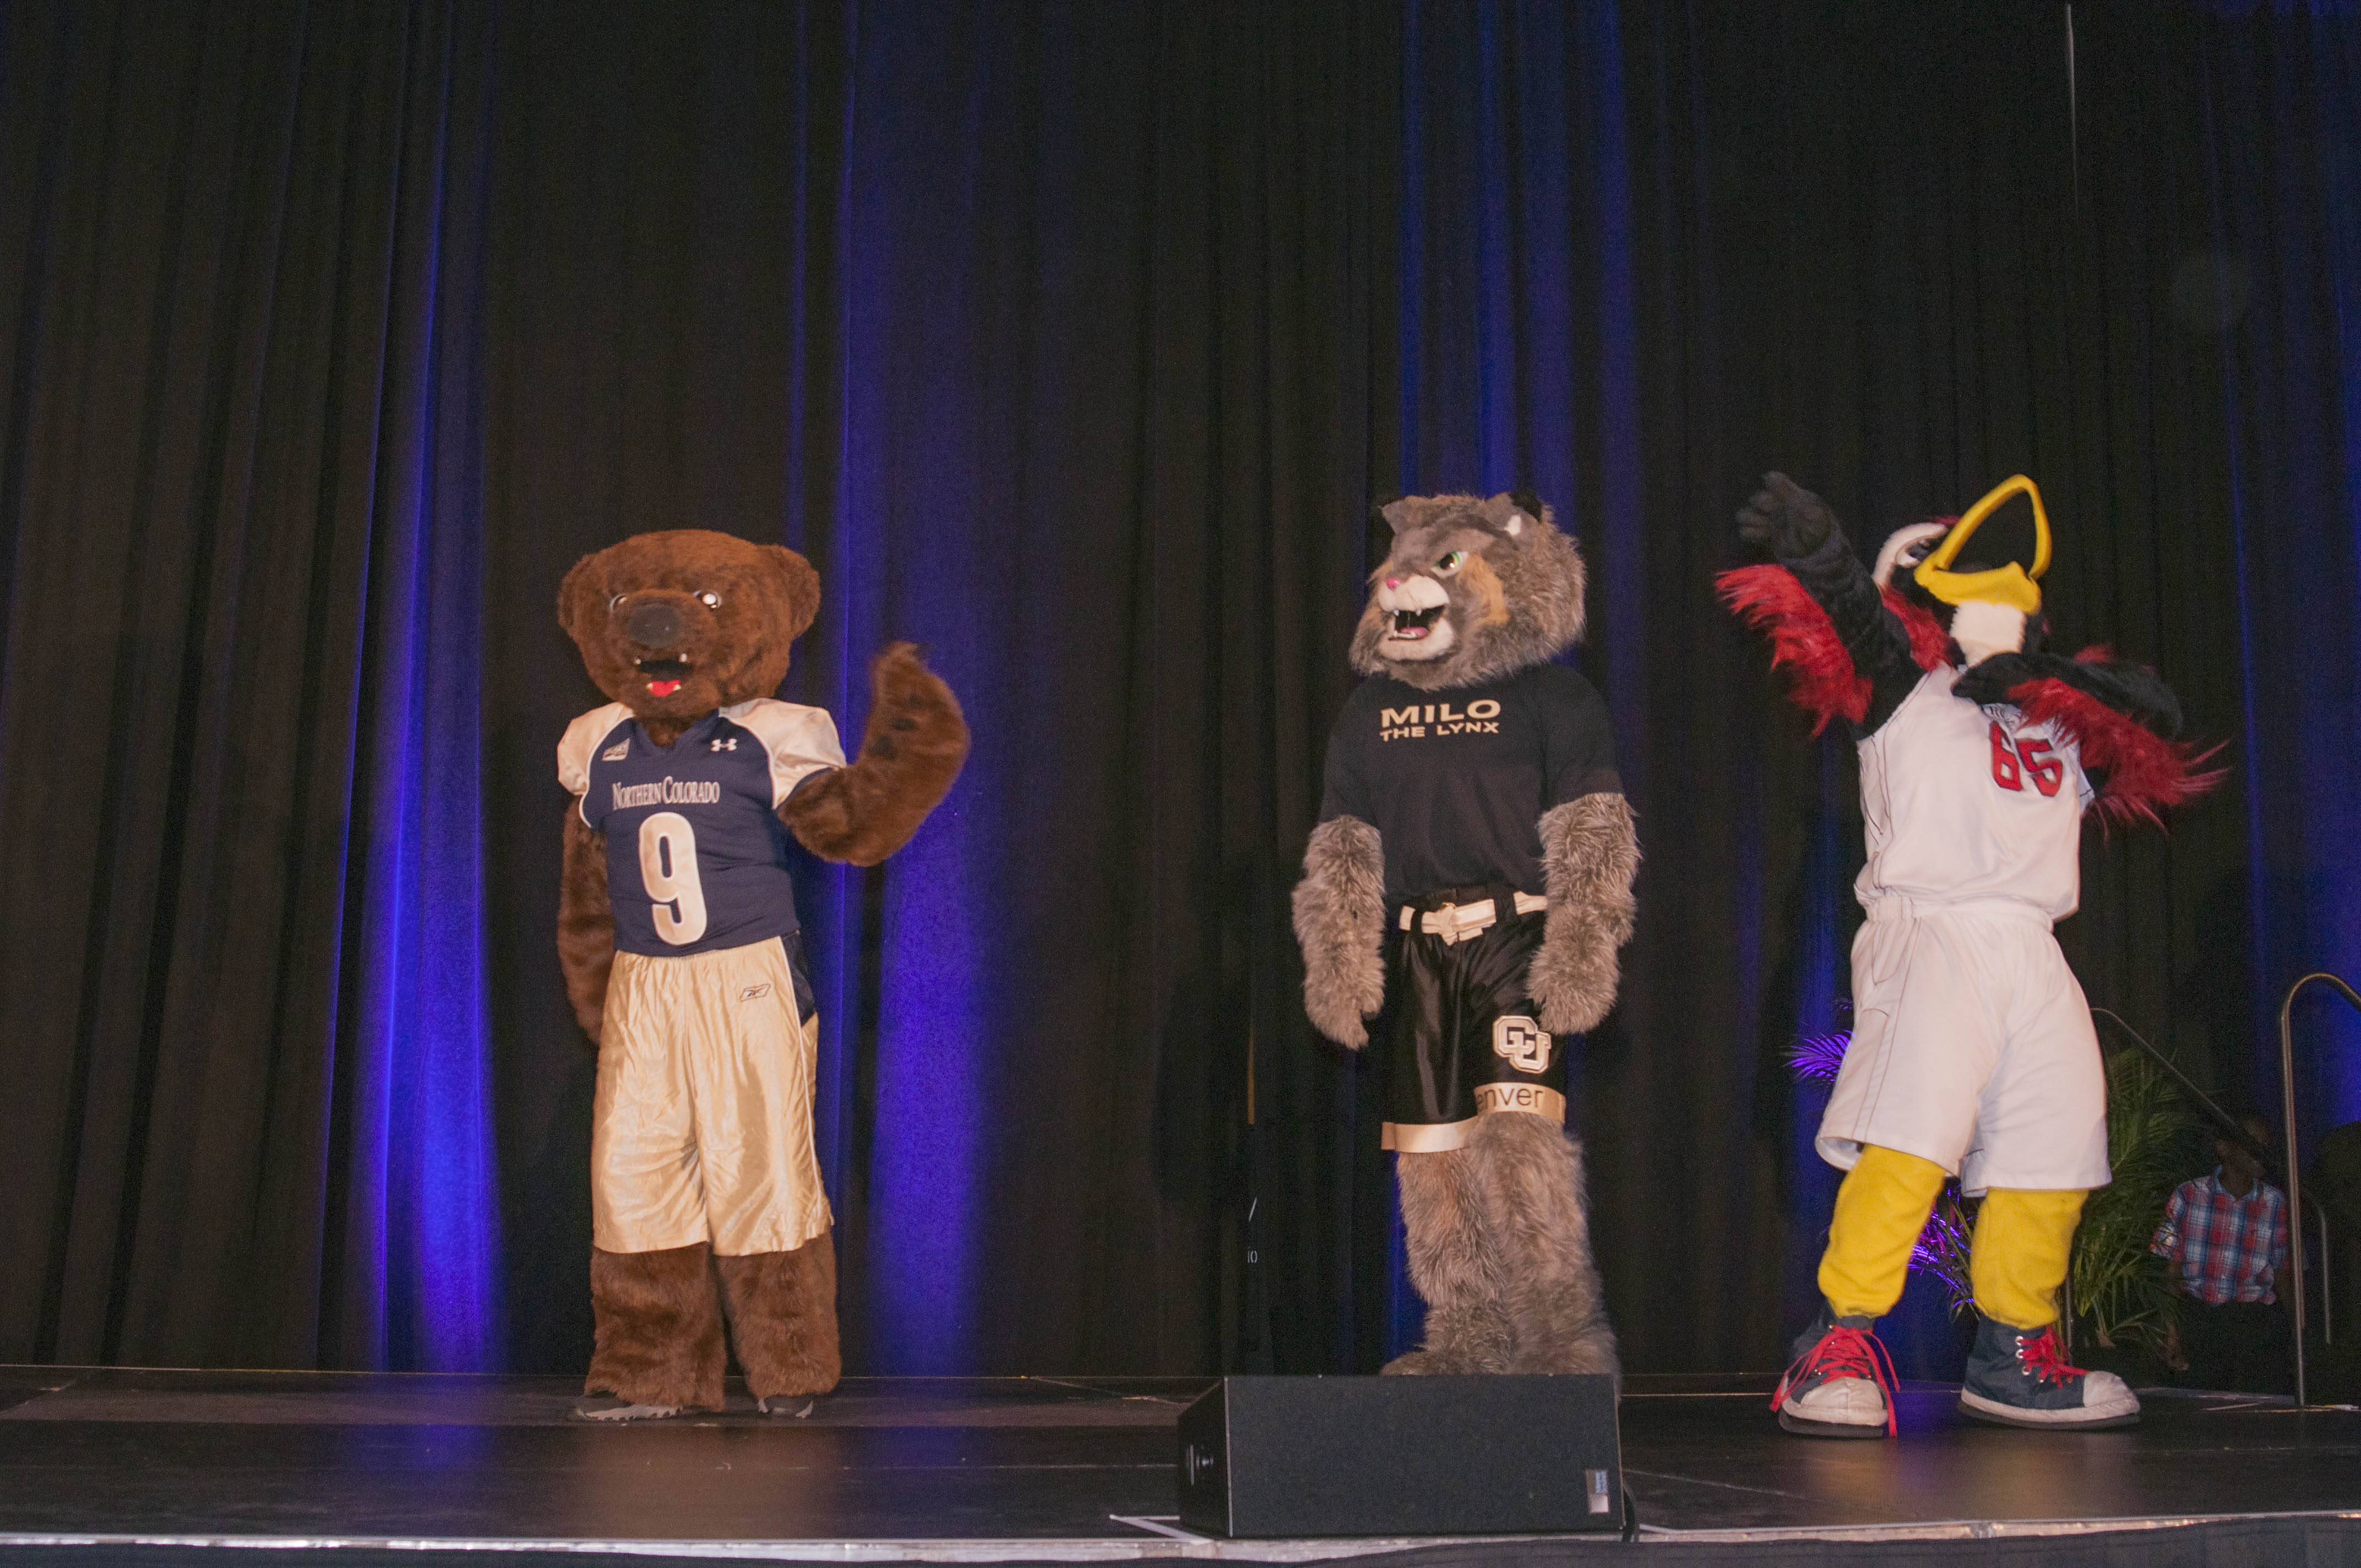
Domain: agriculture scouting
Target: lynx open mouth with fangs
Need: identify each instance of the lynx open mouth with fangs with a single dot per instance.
(1412, 624)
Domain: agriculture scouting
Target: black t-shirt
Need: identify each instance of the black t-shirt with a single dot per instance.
(1455, 781)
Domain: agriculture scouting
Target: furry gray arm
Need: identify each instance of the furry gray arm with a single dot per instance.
(1340, 919)
(1590, 852)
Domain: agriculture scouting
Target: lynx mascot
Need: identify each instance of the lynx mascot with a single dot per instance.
(1973, 1050)
(1473, 868)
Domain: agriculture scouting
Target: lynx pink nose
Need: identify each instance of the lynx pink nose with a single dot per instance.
(1393, 582)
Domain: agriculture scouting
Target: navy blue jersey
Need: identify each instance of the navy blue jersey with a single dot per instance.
(696, 860)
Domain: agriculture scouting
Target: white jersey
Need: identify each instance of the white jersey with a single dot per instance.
(1962, 803)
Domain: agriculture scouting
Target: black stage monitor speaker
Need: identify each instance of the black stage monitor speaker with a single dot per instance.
(1493, 1455)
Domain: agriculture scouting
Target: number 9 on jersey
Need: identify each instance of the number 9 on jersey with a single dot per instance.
(668, 867)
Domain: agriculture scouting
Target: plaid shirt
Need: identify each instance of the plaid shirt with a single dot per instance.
(2229, 1248)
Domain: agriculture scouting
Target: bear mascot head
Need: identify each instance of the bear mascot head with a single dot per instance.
(675, 625)
(678, 936)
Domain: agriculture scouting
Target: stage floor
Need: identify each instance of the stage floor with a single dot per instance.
(1021, 1468)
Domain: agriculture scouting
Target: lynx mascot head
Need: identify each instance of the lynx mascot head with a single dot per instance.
(1472, 590)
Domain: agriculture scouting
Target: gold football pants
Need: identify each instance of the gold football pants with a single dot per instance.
(702, 1128)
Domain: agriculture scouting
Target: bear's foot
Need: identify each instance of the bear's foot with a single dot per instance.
(615, 1410)
(658, 1331)
(782, 1310)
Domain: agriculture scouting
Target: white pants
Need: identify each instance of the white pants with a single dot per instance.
(1972, 1047)
(702, 1127)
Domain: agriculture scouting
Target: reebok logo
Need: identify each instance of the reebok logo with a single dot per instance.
(755, 992)
(616, 752)
(1416, 722)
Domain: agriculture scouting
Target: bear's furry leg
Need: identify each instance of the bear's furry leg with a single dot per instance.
(1531, 1171)
(782, 1310)
(658, 1329)
(1455, 1266)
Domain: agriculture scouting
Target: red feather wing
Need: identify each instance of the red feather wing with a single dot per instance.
(1804, 641)
(2145, 772)
(1930, 645)
(1821, 679)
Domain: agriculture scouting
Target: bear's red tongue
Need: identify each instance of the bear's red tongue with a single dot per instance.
(663, 689)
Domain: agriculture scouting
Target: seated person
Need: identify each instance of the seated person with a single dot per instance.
(2227, 1236)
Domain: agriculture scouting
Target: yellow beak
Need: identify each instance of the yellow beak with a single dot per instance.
(2011, 585)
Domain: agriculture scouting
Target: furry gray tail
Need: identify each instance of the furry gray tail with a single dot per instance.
(1531, 1173)
(1340, 918)
(1590, 854)
(1454, 1264)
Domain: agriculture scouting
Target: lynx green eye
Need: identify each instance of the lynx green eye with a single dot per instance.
(1451, 563)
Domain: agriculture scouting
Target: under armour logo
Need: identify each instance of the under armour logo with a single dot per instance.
(1521, 1043)
(616, 752)
(729, 745)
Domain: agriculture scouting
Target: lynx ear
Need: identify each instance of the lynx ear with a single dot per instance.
(1512, 512)
(1400, 512)
(1533, 505)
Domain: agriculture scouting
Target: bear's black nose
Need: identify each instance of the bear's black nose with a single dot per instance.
(655, 626)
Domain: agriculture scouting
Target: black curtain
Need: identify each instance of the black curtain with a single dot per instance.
(662, 351)
(1901, 254)
(238, 504)
(1049, 335)
(1073, 342)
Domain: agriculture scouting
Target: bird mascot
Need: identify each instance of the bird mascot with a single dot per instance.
(1973, 1055)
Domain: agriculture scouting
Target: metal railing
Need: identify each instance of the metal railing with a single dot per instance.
(2295, 1192)
(2230, 1129)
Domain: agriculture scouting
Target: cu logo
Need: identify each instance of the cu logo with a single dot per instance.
(1521, 1043)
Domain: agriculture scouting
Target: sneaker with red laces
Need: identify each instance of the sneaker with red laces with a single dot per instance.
(2017, 1377)
(1841, 1382)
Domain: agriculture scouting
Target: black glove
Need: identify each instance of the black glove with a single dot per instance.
(1788, 518)
(2130, 690)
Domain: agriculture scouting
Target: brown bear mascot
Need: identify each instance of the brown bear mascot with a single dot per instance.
(1471, 880)
(677, 929)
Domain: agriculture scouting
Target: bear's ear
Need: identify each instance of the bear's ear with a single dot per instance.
(799, 587)
(577, 597)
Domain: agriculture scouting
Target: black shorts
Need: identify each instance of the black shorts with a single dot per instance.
(1462, 1038)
